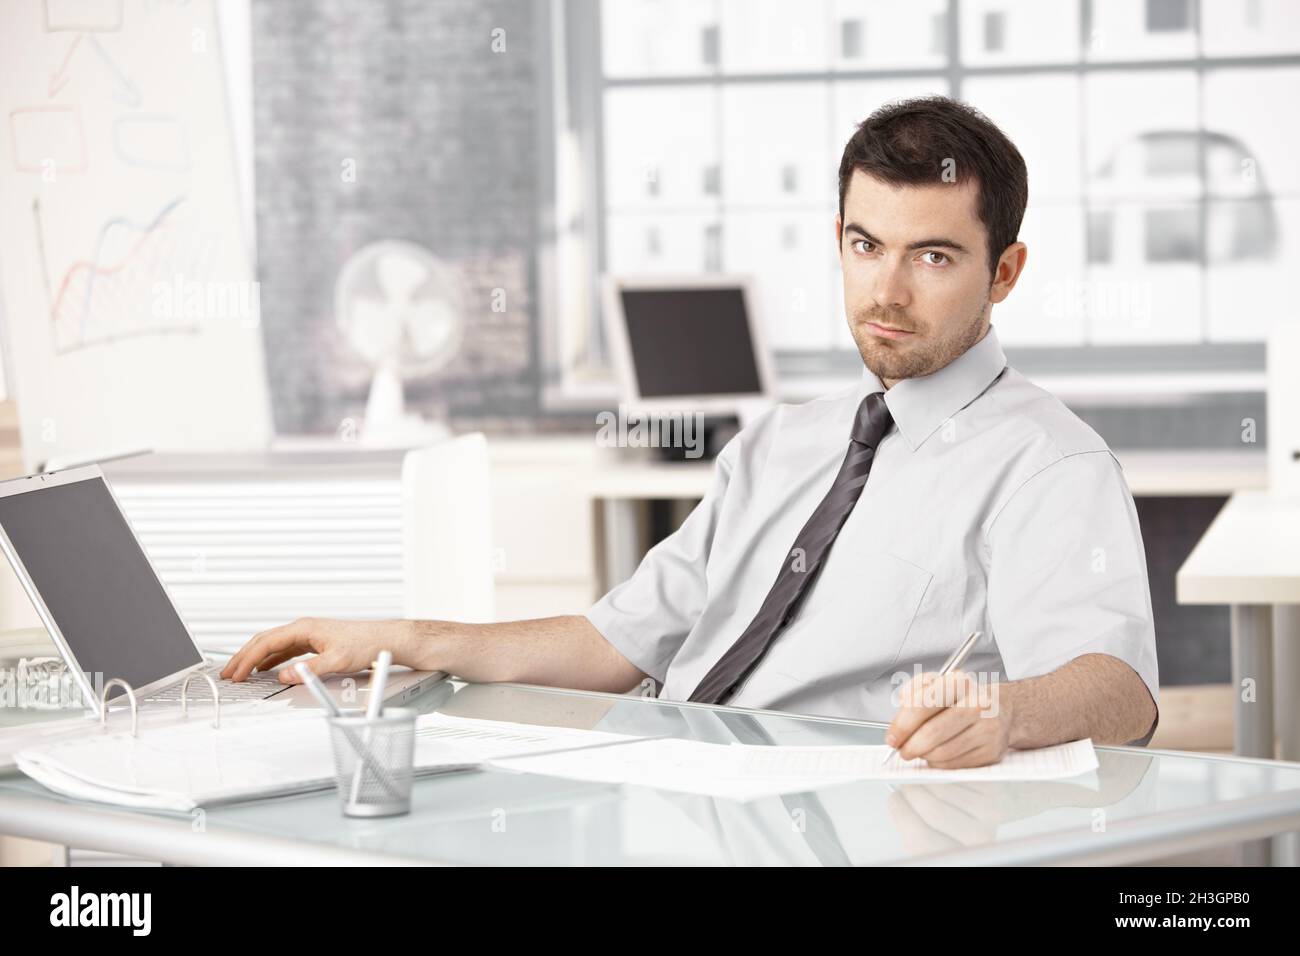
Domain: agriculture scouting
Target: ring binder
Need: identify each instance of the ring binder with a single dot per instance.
(216, 698)
(103, 706)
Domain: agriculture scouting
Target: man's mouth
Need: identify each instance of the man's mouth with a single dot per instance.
(885, 332)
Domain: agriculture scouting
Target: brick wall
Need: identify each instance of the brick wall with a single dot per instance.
(442, 134)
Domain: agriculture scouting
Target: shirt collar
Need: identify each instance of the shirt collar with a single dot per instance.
(920, 405)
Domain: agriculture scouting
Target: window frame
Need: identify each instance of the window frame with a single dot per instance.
(579, 371)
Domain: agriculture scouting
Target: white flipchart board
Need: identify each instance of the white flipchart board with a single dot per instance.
(129, 307)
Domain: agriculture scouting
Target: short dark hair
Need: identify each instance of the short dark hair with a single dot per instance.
(913, 142)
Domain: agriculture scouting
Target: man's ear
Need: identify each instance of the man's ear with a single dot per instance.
(839, 231)
(1010, 265)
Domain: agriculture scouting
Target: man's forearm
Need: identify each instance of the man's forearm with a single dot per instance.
(1095, 696)
(556, 651)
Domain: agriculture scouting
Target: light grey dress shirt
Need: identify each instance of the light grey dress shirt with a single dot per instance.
(990, 507)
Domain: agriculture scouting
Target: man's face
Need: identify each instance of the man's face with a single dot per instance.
(917, 289)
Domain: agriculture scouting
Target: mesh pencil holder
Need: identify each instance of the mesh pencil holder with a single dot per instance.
(373, 761)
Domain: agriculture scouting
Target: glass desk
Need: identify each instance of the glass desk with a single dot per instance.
(1140, 804)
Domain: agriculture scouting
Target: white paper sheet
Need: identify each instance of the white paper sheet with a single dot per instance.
(873, 763)
(744, 772)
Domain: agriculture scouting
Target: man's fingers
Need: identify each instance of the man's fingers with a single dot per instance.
(909, 716)
(922, 698)
(241, 655)
(981, 755)
(241, 665)
(938, 730)
(284, 638)
(966, 738)
(276, 659)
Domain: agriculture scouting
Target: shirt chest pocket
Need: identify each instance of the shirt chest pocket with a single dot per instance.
(855, 620)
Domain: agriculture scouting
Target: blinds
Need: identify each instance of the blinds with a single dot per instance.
(239, 555)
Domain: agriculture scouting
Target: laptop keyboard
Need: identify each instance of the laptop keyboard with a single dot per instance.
(255, 687)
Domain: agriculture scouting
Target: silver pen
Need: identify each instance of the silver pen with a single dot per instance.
(955, 660)
(374, 710)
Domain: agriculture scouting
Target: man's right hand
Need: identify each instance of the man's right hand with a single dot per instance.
(341, 647)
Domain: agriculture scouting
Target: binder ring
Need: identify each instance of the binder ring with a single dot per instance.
(103, 705)
(216, 698)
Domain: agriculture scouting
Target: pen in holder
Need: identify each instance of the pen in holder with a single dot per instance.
(374, 761)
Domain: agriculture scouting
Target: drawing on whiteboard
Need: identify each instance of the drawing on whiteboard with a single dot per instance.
(48, 139)
(110, 296)
(152, 141)
(96, 16)
(59, 78)
(124, 89)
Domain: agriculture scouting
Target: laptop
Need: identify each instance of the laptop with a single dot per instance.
(103, 604)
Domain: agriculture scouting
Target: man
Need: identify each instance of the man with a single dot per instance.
(848, 545)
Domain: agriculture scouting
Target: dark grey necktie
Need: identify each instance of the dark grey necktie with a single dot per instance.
(804, 559)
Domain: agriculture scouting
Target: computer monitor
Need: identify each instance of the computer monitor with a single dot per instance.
(687, 344)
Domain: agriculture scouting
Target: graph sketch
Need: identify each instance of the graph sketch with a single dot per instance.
(113, 294)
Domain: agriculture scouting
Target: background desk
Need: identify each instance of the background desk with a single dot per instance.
(1139, 805)
(1250, 558)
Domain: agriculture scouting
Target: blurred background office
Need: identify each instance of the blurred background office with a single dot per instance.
(280, 243)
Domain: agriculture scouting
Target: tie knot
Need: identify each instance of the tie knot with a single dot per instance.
(873, 420)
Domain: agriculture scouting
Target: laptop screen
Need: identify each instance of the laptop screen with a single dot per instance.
(94, 577)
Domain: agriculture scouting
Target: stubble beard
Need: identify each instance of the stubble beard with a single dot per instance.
(908, 358)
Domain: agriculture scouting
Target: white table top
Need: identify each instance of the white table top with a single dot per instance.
(1209, 471)
(1156, 803)
(1249, 555)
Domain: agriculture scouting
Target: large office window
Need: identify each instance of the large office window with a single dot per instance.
(1164, 195)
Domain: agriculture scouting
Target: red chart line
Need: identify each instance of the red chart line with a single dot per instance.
(98, 271)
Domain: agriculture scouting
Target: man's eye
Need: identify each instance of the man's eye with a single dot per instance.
(861, 242)
(940, 256)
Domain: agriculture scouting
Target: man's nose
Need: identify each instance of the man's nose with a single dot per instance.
(891, 287)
